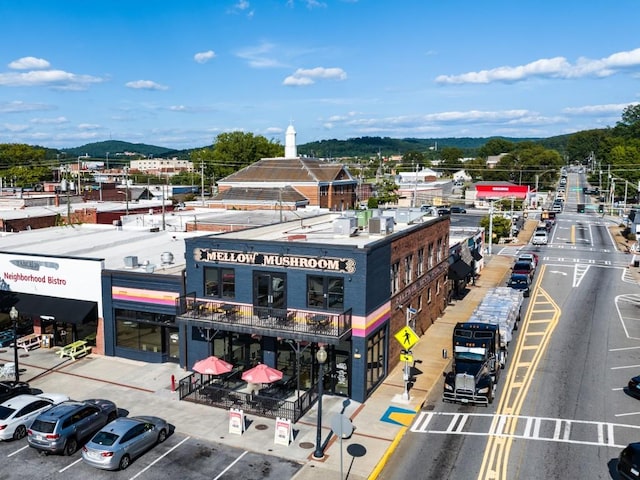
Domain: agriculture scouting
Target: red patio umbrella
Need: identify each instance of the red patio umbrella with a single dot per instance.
(262, 373)
(212, 366)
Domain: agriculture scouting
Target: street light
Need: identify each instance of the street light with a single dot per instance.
(321, 357)
(13, 315)
(126, 185)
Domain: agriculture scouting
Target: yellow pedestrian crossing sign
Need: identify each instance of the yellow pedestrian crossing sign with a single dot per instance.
(407, 337)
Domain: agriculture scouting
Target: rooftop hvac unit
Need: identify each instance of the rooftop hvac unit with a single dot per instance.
(377, 225)
(345, 225)
(131, 261)
(167, 258)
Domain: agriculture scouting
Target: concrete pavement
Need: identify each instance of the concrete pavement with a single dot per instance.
(140, 388)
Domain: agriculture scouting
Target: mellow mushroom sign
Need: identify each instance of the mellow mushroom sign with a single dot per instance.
(500, 191)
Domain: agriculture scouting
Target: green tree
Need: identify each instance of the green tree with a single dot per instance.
(413, 157)
(501, 227)
(232, 152)
(14, 154)
(387, 191)
(450, 160)
(495, 146)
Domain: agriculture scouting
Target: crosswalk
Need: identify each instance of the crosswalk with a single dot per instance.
(581, 432)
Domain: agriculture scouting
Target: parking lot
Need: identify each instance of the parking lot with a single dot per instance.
(179, 456)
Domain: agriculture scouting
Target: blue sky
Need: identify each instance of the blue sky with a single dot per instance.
(178, 73)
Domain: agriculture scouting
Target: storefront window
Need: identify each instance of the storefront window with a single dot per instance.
(375, 359)
(325, 292)
(219, 282)
(140, 330)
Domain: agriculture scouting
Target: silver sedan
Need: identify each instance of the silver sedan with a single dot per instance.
(121, 441)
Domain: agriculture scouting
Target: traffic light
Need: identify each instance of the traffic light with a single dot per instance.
(581, 208)
(600, 208)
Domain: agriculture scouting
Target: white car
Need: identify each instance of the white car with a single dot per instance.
(18, 413)
(539, 238)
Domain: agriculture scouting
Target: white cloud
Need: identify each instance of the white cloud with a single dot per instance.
(204, 57)
(14, 127)
(88, 126)
(146, 85)
(49, 121)
(307, 76)
(257, 56)
(53, 78)
(18, 106)
(558, 67)
(598, 109)
(29, 63)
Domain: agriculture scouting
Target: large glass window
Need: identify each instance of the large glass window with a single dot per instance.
(408, 269)
(138, 330)
(375, 359)
(325, 292)
(430, 266)
(219, 282)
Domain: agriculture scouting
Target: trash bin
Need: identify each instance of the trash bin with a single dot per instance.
(636, 263)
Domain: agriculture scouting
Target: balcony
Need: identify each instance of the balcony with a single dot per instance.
(305, 325)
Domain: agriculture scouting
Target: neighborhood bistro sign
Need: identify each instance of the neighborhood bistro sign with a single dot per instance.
(346, 265)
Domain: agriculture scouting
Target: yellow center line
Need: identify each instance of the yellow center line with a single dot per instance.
(496, 455)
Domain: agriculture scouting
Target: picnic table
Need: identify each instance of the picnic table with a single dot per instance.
(75, 349)
(30, 341)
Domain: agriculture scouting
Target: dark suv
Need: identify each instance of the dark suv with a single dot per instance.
(60, 429)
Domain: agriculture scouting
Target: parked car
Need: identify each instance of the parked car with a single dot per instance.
(18, 413)
(524, 268)
(61, 428)
(520, 281)
(444, 211)
(12, 389)
(529, 257)
(629, 462)
(458, 210)
(123, 440)
(634, 387)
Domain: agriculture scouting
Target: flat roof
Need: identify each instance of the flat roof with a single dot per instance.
(334, 228)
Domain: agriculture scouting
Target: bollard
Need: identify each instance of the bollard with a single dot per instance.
(173, 383)
(444, 353)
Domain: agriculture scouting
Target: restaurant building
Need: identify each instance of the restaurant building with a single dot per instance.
(344, 281)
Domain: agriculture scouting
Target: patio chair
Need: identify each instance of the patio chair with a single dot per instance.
(8, 370)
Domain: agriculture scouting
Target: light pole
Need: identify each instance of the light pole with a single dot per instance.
(13, 315)
(321, 357)
(126, 191)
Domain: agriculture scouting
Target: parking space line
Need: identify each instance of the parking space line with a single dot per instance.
(625, 366)
(231, 465)
(17, 451)
(70, 465)
(159, 458)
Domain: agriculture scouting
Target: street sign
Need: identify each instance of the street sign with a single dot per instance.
(407, 338)
(406, 357)
(412, 311)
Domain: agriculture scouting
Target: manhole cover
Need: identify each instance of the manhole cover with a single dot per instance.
(261, 426)
(306, 445)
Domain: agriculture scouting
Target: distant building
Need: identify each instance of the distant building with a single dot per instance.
(161, 166)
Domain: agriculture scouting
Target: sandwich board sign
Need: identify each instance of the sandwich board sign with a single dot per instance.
(236, 421)
(284, 432)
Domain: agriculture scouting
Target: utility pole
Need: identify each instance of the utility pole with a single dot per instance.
(202, 181)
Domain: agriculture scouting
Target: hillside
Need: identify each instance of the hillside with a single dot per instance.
(353, 147)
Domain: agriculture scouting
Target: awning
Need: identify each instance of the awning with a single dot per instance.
(64, 310)
(476, 255)
(459, 270)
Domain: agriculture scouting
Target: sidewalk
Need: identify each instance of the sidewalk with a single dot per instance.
(141, 388)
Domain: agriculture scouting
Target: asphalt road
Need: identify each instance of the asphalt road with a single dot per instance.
(562, 410)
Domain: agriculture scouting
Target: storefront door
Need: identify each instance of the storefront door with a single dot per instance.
(269, 290)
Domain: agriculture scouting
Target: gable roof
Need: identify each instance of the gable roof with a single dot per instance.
(289, 170)
(284, 195)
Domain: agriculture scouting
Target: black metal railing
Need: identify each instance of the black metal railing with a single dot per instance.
(271, 402)
(286, 320)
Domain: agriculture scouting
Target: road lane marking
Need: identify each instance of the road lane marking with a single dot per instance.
(231, 465)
